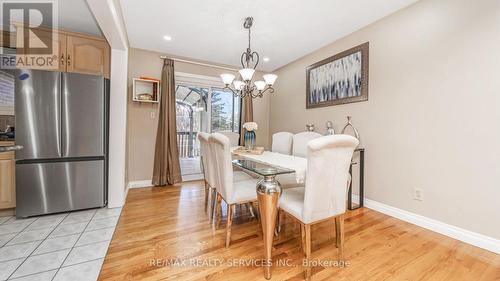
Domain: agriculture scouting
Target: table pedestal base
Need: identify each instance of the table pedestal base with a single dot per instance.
(268, 193)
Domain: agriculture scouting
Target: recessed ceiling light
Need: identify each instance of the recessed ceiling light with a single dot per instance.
(266, 59)
(168, 38)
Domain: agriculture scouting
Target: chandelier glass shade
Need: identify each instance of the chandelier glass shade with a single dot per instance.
(245, 86)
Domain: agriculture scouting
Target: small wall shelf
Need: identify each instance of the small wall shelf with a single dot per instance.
(146, 90)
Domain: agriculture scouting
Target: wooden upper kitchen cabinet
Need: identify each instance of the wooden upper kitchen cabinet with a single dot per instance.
(7, 180)
(86, 55)
(59, 45)
(76, 52)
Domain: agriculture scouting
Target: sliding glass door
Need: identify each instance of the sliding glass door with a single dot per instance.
(202, 109)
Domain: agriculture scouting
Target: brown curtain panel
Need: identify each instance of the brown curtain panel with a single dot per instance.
(246, 116)
(166, 166)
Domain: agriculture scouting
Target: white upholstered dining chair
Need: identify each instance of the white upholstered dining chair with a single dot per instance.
(282, 143)
(300, 141)
(324, 195)
(210, 173)
(234, 138)
(204, 150)
(299, 148)
(230, 187)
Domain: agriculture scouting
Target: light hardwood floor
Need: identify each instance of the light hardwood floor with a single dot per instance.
(169, 223)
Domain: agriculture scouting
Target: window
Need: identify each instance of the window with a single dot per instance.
(225, 113)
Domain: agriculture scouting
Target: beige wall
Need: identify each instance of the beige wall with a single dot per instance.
(142, 128)
(432, 119)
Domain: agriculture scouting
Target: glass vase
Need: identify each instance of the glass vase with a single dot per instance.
(249, 140)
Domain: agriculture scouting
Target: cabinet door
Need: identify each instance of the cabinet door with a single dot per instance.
(86, 55)
(59, 45)
(58, 49)
(12, 36)
(7, 181)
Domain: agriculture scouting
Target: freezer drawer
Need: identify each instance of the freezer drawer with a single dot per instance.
(44, 188)
(38, 113)
(82, 115)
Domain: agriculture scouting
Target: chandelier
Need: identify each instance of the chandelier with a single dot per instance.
(245, 87)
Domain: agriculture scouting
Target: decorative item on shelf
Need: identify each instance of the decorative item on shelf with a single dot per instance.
(146, 89)
(339, 79)
(329, 128)
(250, 137)
(349, 124)
(145, 97)
(310, 127)
(244, 87)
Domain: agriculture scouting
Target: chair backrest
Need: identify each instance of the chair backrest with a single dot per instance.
(221, 148)
(234, 138)
(328, 160)
(282, 143)
(300, 141)
(207, 159)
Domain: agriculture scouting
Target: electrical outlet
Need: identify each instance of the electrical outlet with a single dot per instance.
(418, 194)
(152, 115)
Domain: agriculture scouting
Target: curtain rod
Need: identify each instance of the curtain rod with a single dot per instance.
(200, 63)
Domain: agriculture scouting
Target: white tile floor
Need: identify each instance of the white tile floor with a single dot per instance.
(69, 246)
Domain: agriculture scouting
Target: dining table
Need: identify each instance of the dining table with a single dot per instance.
(268, 165)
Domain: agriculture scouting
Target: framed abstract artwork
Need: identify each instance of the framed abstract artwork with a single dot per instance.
(339, 79)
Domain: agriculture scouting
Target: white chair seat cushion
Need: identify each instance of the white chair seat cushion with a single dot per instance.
(292, 201)
(244, 191)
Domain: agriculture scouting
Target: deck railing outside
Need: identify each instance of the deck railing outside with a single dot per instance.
(188, 144)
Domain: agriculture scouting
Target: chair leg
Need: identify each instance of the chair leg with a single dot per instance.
(303, 238)
(207, 191)
(255, 211)
(213, 201)
(339, 234)
(256, 214)
(307, 231)
(229, 223)
(250, 208)
(218, 212)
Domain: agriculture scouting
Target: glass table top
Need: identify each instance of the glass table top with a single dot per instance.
(259, 168)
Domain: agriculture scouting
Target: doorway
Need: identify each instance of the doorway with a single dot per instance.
(201, 108)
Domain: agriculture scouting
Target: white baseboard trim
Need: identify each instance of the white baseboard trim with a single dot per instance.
(147, 183)
(469, 237)
(139, 184)
(195, 177)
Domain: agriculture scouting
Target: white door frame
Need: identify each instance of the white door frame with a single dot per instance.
(202, 81)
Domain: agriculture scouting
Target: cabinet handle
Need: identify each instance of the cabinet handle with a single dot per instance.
(68, 60)
(62, 59)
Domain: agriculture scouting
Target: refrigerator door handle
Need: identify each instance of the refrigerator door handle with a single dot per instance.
(62, 111)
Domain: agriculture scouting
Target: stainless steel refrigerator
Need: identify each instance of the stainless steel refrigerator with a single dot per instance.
(61, 121)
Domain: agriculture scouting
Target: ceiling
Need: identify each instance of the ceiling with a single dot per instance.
(75, 15)
(72, 15)
(283, 30)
